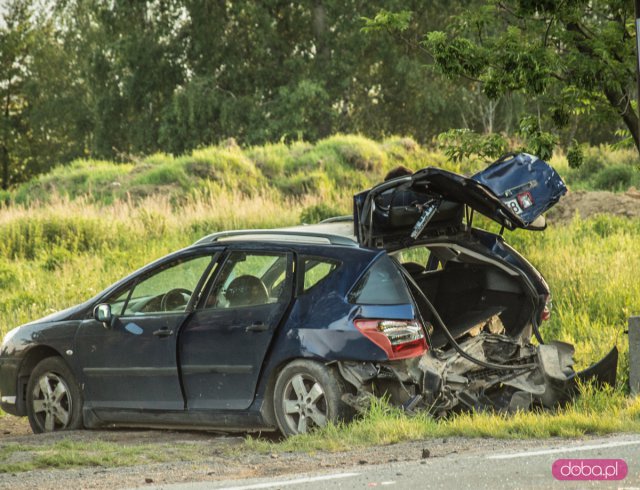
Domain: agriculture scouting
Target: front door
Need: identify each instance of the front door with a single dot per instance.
(132, 364)
(223, 345)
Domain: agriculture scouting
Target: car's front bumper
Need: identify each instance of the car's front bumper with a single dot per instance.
(9, 401)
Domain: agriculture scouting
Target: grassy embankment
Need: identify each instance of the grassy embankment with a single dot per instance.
(70, 233)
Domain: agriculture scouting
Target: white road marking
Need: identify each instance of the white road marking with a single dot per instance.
(297, 481)
(564, 450)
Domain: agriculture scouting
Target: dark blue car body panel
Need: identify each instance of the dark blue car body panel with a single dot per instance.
(512, 191)
(129, 381)
(525, 182)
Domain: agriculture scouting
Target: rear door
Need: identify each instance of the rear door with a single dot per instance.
(223, 345)
(513, 191)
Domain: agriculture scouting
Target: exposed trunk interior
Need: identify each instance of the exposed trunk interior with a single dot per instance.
(469, 294)
(488, 307)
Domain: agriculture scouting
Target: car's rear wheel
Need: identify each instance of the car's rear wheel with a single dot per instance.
(308, 395)
(54, 401)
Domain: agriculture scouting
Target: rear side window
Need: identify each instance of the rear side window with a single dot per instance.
(317, 270)
(382, 284)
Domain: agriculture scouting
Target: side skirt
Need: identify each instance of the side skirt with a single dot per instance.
(195, 419)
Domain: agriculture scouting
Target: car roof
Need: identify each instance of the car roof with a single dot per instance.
(333, 231)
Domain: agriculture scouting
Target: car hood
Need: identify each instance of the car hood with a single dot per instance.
(513, 191)
(73, 313)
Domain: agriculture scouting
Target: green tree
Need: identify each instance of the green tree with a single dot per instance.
(43, 120)
(16, 44)
(263, 71)
(572, 57)
(127, 58)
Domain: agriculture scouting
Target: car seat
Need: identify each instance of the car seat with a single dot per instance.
(246, 290)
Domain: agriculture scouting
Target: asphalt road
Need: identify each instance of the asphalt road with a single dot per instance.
(526, 469)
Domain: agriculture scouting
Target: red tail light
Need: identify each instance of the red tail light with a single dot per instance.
(546, 311)
(400, 339)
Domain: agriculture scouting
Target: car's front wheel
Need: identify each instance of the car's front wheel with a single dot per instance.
(54, 401)
(307, 395)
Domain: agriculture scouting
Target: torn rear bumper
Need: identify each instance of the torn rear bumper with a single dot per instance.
(443, 381)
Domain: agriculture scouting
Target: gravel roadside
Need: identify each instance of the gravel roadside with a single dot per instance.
(222, 457)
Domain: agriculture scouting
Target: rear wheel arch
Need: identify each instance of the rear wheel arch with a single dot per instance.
(268, 412)
(329, 407)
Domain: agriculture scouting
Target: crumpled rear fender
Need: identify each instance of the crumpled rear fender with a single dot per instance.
(441, 381)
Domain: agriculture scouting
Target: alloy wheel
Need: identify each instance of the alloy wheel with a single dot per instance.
(304, 403)
(52, 402)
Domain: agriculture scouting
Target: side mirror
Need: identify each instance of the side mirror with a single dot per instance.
(102, 313)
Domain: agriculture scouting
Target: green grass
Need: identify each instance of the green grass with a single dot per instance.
(82, 247)
(590, 264)
(595, 412)
(334, 169)
(64, 454)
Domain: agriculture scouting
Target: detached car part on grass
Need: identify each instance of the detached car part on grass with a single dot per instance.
(291, 328)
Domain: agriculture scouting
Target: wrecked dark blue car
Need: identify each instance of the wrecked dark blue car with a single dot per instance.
(291, 328)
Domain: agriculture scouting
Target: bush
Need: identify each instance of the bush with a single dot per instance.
(5, 198)
(613, 178)
(355, 152)
(8, 275)
(31, 237)
(56, 258)
(303, 183)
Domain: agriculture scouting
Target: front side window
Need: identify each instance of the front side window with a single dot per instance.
(169, 290)
(251, 279)
(382, 284)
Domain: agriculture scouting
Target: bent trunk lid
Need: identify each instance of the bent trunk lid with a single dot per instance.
(514, 192)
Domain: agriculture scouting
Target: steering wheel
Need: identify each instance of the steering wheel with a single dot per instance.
(175, 298)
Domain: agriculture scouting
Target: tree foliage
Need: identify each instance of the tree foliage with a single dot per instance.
(573, 58)
(43, 120)
(119, 78)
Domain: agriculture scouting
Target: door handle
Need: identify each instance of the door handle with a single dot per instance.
(257, 327)
(163, 332)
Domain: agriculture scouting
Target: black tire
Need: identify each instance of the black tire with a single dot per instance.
(308, 394)
(54, 400)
